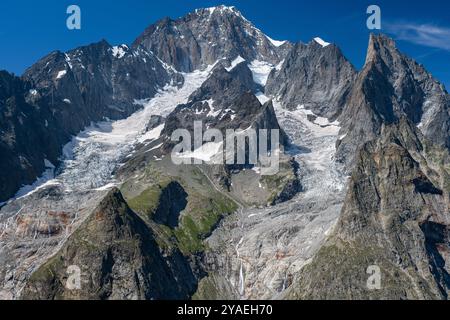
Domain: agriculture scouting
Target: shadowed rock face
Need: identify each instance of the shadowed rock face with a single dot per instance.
(207, 35)
(317, 77)
(396, 217)
(119, 259)
(389, 87)
(172, 202)
(21, 134)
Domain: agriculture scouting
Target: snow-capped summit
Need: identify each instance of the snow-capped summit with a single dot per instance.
(207, 35)
(220, 9)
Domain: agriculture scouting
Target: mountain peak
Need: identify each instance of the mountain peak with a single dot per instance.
(207, 35)
(380, 46)
(222, 9)
(322, 42)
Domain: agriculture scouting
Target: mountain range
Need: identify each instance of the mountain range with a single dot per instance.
(87, 178)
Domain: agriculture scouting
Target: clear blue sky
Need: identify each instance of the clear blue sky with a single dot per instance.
(29, 29)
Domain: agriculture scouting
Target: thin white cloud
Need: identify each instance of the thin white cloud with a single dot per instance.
(423, 34)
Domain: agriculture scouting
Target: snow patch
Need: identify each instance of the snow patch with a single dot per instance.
(152, 134)
(156, 147)
(235, 62)
(262, 97)
(321, 42)
(261, 71)
(430, 111)
(205, 153)
(276, 43)
(46, 179)
(119, 51)
(61, 74)
(106, 187)
(257, 170)
(220, 9)
(68, 60)
(280, 65)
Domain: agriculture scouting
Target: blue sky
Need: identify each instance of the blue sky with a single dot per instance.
(30, 29)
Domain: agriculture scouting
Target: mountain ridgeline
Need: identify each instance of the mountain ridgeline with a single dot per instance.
(62, 94)
(149, 237)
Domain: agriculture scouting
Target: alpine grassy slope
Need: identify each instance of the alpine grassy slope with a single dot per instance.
(364, 175)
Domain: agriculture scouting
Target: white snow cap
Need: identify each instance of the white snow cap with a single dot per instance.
(276, 43)
(321, 42)
(222, 9)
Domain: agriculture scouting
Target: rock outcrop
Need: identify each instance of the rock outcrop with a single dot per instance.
(119, 259)
(319, 78)
(207, 35)
(390, 86)
(394, 220)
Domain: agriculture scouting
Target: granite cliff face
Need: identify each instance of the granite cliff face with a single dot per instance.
(395, 217)
(207, 35)
(24, 138)
(389, 87)
(316, 76)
